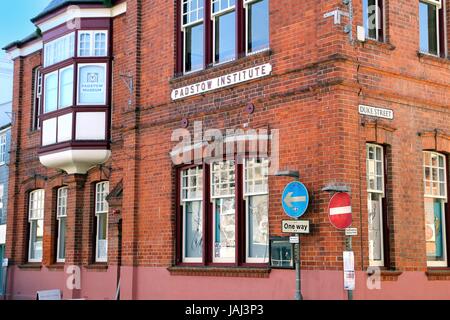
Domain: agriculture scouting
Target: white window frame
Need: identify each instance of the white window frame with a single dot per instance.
(247, 194)
(213, 199)
(34, 215)
(2, 204)
(247, 3)
(104, 204)
(58, 88)
(191, 24)
(38, 81)
(92, 34)
(377, 21)
(215, 15)
(80, 65)
(184, 200)
(61, 215)
(381, 192)
(55, 41)
(60, 106)
(443, 199)
(438, 5)
(3, 147)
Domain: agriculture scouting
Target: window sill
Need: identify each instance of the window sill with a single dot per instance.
(220, 272)
(370, 43)
(438, 274)
(432, 59)
(97, 267)
(388, 275)
(213, 68)
(31, 266)
(56, 267)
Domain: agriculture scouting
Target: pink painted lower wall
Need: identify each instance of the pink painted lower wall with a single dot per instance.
(95, 284)
(159, 284)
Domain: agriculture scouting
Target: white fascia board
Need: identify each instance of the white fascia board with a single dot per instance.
(25, 50)
(74, 12)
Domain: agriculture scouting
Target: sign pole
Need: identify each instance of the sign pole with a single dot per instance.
(298, 281)
(295, 201)
(348, 247)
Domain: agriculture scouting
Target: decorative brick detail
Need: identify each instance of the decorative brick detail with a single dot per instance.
(436, 140)
(378, 132)
(220, 272)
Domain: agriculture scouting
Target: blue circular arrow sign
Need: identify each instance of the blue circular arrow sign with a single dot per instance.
(295, 199)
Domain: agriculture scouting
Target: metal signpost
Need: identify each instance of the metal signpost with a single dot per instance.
(295, 201)
(340, 215)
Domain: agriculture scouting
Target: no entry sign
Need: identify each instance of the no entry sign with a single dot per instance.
(340, 210)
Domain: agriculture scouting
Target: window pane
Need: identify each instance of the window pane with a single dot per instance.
(225, 37)
(428, 28)
(192, 11)
(85, 45)
(51, 92)
(224, 229)
(62, 239)
(258, 227)
(100, 44)
(66, 87)
(194, 48)
(36, 236)
(59, 50)
(375, 227)
(91, 84)
(193, 239)
(223, 178)
(258, 26)
(434, 229)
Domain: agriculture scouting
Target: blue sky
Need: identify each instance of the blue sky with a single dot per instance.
(15, 18)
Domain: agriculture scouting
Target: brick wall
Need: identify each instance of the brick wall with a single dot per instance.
(312, 97)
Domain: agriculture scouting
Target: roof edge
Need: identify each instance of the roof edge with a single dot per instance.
(106, 3)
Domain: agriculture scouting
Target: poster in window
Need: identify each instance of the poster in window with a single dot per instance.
(92, 83)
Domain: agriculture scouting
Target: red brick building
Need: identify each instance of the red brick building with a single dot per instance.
(103, 91)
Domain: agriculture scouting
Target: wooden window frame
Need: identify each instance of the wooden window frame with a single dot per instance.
(240, 258)
(240, 9)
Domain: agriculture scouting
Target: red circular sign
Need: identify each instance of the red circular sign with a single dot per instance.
(340, 210)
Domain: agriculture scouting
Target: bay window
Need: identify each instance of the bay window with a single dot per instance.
(375, 196)
(221, 231)
(37, 97)
(216, 31)
(373, 19)
(61, 217)
(101, 215)
(431, 22)
(435, 198)
(84, 83)
(36, 225)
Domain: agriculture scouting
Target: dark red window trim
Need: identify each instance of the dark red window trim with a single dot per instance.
(385, 211)
(240, 218)
(208, 35)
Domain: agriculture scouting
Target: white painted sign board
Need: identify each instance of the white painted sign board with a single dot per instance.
(295, 226)
(224, 81)
(376, 112)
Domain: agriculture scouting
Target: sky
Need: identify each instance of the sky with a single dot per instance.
(15, 18)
